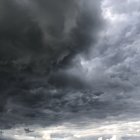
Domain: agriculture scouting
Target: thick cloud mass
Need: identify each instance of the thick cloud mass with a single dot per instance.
(69, 62)
(40, 35)
(38, 39)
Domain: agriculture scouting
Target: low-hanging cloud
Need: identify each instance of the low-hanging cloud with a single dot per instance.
(46, 76)
(38, 39)
(41, 35)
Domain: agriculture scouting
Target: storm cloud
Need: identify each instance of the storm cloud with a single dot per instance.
(39, 41)
(71, 64)
(40, 35)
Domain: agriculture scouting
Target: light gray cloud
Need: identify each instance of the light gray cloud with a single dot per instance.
(113, 67)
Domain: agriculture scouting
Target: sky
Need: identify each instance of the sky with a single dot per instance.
(69, 70)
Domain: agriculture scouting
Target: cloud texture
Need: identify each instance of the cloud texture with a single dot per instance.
(61, 60)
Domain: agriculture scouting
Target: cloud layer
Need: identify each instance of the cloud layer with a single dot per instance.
(38, 39)
(38, 36)
(61, 60)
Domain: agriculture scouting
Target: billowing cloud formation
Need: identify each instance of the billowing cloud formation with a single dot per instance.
(114, 64)
(37, 39)
(103, 87)
(40, 35)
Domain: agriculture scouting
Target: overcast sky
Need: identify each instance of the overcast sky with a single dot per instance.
(70, 70)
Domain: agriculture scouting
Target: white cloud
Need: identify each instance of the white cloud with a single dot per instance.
(111, 130)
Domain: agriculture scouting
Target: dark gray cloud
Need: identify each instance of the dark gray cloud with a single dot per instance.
(45, 74)
(43, 34)
(38, 40)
